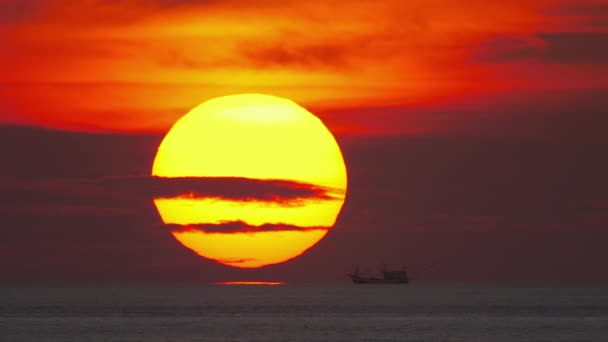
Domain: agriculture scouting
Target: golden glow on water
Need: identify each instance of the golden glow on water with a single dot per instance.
(250, 282)
(257, 137)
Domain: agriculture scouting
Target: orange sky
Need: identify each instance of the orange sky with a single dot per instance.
(138, 66)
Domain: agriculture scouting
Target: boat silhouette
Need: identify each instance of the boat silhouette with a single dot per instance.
(388, 277)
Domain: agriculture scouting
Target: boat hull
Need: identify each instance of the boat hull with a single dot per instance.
(364, 280)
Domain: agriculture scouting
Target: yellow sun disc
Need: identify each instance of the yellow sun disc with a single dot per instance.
(259, 139)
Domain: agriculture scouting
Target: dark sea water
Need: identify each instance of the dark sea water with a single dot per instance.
(343, 312)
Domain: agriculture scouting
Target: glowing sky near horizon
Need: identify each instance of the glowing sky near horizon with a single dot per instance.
(138, 66)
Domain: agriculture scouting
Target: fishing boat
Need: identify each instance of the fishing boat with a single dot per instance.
(388, 277)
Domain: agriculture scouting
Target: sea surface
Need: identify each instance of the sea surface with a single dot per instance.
(340, 312)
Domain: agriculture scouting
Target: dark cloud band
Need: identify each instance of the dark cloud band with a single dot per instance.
(240, 227)
(229, 188)
(557, 47)
(128, 191)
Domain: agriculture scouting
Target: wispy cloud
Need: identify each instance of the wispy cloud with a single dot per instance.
(228, 188)
(333, 56)
(240, 227)
(112, 194)
(558, 47)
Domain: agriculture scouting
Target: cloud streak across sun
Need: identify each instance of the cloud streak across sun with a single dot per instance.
(228, 188)
(309, 213)
(141, 65)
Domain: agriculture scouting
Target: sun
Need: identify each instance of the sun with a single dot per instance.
(272, 180)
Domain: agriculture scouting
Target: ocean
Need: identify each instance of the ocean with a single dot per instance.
(338, 312)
